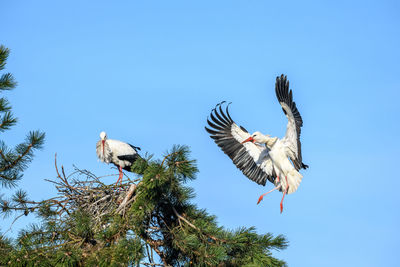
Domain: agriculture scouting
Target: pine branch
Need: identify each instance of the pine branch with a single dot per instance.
(10, 179)
(33, 141)
(4, 105)
(13, 161)
(180, 217)
(4, 52)
(7, 82)
(6, 121)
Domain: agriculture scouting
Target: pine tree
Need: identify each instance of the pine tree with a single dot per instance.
(13, 161)
(148, 221)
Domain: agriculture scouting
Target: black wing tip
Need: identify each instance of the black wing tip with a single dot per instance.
(281, 80)
(219, 104)
(282, 88)
(217, 111)
(283, 77)
(304, 166)
(212, 132)
(243, 129)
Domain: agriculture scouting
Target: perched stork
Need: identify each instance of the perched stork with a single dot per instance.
(261, 157)
(121, 154)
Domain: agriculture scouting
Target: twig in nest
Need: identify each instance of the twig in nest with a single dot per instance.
(128, 195)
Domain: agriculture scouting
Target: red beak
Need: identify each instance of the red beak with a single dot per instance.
(250, 139)
(102, 141)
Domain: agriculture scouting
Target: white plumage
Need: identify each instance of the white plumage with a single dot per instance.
(121, 154)
(261, 157)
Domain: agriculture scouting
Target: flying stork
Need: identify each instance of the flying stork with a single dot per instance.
(121, 154)
(262, 157)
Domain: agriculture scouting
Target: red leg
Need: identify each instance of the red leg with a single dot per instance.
(284, 193)
(120, 175)
(263, 195)
(277, 187)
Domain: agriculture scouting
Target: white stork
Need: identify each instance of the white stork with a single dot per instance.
(261, 157)
(121, 154)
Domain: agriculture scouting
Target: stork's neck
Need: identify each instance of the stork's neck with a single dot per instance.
(269, 141)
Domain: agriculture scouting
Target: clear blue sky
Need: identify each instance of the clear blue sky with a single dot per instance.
(149, 72)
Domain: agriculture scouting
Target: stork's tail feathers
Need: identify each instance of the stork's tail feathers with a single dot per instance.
(294, 180)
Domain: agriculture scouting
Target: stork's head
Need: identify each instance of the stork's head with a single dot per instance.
(103, 136)
(258, 137)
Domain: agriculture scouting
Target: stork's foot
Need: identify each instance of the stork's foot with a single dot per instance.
(260, 199)
(262, 196)
(282, 201)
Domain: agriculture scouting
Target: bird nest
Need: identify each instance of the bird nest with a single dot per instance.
(85, 191)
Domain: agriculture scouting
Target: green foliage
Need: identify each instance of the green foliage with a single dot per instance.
(13, 161)
(7, 81)
(159, 226)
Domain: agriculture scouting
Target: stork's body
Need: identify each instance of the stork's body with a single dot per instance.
(261, 157)
(121, 154)
(284, 168)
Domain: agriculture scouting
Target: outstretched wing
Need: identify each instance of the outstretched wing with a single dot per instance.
(253, 160)
(295, 122)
